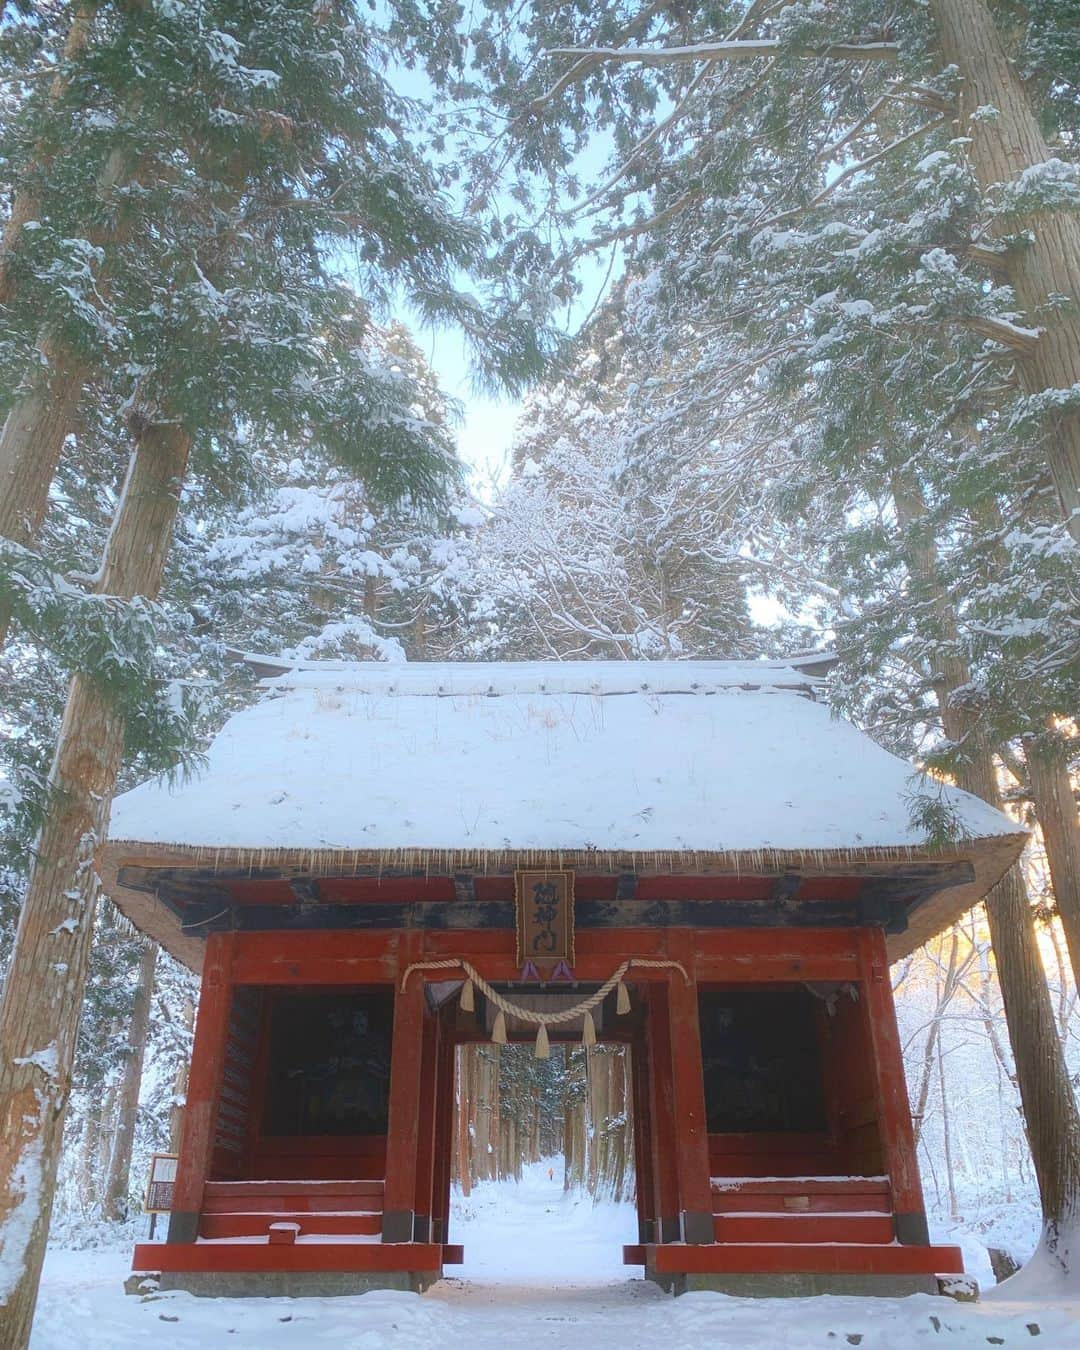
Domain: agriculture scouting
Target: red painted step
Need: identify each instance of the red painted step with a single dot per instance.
(868, 1228)
(807, 1195)
(260, 1257)
(802, 1258)
(276, 1197)
(257, 1223)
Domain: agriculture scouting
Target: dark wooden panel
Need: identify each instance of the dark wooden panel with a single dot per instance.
(469, 916)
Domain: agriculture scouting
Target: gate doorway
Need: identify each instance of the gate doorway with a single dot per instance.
(570, 1114)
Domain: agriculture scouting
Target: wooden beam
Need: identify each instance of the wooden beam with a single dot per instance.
(893, 1110)
(261, 1258)
(219, 914)
(204, 1082)
(424, 1206)
(406, 1090)
(688, 1087)
(444, 1132)
(306, 891)
(661, 1118)
(794, 1258)
(644, 1178)
(915, 883)
(785, 886)
(285, 970)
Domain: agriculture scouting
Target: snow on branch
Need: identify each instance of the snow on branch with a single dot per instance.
(728, 51)
(1012, 335)
(588, 58)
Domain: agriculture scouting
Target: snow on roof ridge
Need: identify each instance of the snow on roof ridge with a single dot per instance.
(493, 678)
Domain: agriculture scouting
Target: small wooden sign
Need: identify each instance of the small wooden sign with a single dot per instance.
(544, 905)
(159, 1189)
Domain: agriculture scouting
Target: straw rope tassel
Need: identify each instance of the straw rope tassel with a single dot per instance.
(542, 1020)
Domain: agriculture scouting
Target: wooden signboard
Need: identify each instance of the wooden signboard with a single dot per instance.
(159, 1190)
(544, 906)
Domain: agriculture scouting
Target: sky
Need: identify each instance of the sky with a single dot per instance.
(486, 431)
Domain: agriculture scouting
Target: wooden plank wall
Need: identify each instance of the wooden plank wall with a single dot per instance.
(229, 1158)
(850, 1088)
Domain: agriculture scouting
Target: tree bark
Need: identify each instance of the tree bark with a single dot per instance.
(179, 1092)
(39, 422)
(461, 1144)
(1050, 1111)
(1002, 148)
(946, 1132)
(39, 1012)
(945, 993)
(1055, 805)
(30, 443)
(127, 1108)
(24, 204)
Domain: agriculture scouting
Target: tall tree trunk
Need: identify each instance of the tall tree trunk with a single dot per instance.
(1055, 805)
(1003, 146)
(179, 1092)
(30, 443)
(567, 1122)
(946, 1131)
(42, 998)
(1050, 1110)
(945, 992)
(127, 1108)
(24, 204)
(40, 420)
(461, 1152)
(88, 1187)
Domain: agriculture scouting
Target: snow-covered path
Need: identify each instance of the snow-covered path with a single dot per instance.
(543, 1270)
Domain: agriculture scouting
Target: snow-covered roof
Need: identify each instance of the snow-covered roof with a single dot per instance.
(626, 757)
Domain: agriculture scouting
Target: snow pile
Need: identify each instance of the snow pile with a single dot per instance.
(627, 756)
(542, 1269)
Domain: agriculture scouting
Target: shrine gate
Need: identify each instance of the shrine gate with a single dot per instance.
(380, 863)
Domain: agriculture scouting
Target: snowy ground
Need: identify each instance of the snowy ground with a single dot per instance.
(542, 1269)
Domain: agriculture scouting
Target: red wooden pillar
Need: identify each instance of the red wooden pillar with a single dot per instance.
(688, 1090)
(444, 1135)
(204, 1083)
(894, 1111)
(665, 1205)
(406, 1078)
(425, 1143)
(645, 1186)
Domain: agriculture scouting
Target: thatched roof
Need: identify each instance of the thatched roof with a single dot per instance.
(648, 767)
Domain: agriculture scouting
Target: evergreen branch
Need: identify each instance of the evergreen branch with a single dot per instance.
(1011, 335)
(727, 51)
(657, 131)
(626, 232)
(589, 58)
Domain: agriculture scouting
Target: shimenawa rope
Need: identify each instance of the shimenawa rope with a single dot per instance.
(543, 1020)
